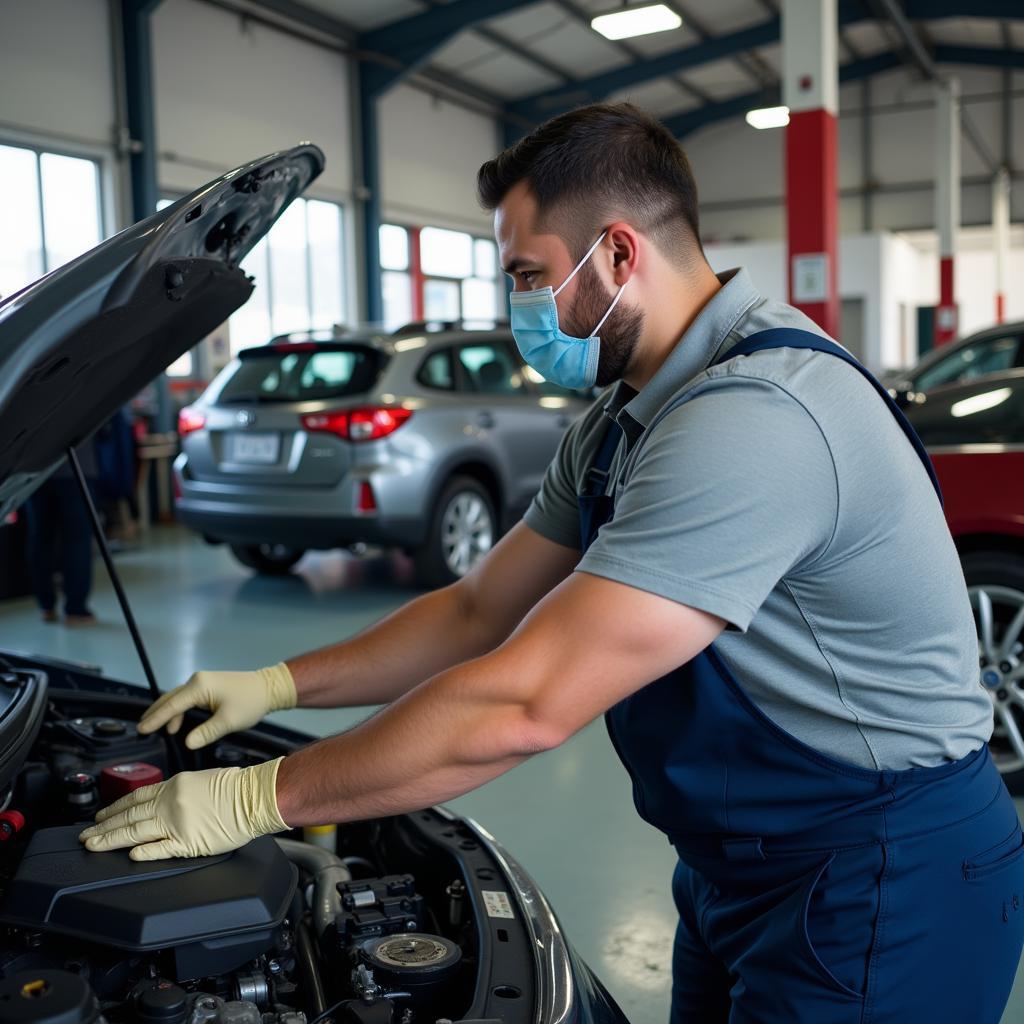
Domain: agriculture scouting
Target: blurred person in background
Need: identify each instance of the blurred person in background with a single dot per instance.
(59, 531)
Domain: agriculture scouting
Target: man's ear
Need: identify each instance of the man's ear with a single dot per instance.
(624, 242)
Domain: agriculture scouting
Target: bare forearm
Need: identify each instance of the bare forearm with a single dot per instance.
(421, 639)
(452, 734)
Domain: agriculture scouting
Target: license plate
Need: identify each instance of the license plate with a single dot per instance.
(261, 448)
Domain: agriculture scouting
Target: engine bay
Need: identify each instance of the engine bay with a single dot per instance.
(405, 920)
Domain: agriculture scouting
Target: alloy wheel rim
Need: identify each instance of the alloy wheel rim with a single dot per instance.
(999, 617)
(467, 532)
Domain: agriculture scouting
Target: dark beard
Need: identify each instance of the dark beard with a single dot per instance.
(619, 334)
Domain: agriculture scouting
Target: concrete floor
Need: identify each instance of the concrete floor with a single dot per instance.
(567, 815)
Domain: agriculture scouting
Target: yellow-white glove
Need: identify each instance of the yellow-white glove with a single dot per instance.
(192, 814)
(238, 701)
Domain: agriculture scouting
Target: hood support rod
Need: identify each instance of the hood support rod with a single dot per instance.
(108, 561)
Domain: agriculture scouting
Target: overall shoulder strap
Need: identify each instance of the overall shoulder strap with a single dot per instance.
(792, 337)
(597, 475)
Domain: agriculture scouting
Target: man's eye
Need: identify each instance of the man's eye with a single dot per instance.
(527, 276)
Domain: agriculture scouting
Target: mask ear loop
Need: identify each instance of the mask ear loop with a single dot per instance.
(576, 269)
(615, 302)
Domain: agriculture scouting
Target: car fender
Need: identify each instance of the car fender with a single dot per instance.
(468, 456)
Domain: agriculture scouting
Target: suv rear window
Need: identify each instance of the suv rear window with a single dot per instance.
(279, 375)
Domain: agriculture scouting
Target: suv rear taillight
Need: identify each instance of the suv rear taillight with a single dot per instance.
(190, 419)
(357, 424)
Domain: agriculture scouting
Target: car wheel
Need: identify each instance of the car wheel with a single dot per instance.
(995, 582)
(463, 528)
(268, 559)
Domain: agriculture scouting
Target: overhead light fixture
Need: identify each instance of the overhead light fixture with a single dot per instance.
(636, 21)
(979, 403)
(768, 117)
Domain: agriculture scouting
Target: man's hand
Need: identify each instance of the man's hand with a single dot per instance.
(193, 814)
(238, 701)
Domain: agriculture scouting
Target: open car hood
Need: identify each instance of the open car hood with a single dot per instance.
(81, 341)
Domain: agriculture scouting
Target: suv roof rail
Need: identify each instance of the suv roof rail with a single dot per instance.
(461, 324)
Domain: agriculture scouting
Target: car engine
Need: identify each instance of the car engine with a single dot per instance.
(383, 928)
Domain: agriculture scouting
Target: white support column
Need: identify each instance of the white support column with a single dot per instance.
(1001, 238)
(947, 202)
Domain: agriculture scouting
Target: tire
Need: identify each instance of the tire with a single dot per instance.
(267, 559)
(995, 581)
(463, 528)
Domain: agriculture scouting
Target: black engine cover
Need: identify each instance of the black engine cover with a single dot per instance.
(216, 913)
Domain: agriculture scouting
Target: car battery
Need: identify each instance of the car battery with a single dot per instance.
(118, 780)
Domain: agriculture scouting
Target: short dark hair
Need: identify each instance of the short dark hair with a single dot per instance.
(598, 163)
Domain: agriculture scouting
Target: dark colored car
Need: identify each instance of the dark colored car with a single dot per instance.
(988, 352)
(974, 433)
(412, 918)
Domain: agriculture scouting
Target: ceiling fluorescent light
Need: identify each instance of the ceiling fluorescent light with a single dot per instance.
(768, 117)
(636, 21)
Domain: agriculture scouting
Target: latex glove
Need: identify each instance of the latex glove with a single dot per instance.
(192, 814)
(238, 701)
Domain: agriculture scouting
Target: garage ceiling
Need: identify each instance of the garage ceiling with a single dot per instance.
(540, 57)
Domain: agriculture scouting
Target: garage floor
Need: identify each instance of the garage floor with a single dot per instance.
(566, 815)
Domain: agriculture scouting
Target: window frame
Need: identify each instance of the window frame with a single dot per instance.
(268, 283)
(449, 352)
(525, 391)
(99, 158)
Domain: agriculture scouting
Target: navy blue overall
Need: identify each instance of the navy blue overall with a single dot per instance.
(810, 890)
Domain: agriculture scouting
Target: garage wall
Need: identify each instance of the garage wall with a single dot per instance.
(735, 164)
(430, 150)
(892, 275)
(55, 78)
(229, 90)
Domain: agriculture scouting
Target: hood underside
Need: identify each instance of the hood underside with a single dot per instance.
(81, 342)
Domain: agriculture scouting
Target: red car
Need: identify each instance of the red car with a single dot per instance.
(974, 432)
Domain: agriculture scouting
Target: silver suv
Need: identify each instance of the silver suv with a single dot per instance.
(433, 439)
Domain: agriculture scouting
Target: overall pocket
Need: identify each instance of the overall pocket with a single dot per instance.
(1005, 854)
(840, 912)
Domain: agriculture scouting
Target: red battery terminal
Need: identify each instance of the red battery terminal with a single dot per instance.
(11, 823)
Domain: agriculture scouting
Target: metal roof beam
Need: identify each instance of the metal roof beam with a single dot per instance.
(933, 10)
(596, 87)
(550, 101)
(980, 56)
(408, 42)
(682, 124)
(583, 17)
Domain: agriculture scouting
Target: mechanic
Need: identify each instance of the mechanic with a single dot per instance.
(739, 556)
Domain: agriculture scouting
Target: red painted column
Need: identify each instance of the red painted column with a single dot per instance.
(947, 204)
(811, 91)
(416, 279)
(1001, 238)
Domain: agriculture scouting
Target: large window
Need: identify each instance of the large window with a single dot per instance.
(299, 276)
(457, 279)
(395, 276)
(461, 276)
(50, 213)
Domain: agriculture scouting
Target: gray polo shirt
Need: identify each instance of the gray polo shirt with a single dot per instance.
(778, 492)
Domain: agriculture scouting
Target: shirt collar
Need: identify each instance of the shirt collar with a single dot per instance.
(694, 351)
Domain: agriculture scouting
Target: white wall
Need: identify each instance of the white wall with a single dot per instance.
(229, 90)
(429, 153)
(893, 274)
(55, 75)
(734, 163)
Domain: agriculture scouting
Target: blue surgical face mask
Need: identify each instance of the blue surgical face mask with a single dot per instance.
(556, 356)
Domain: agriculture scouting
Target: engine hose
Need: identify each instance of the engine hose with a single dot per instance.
(306, 955)
(327, 871)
